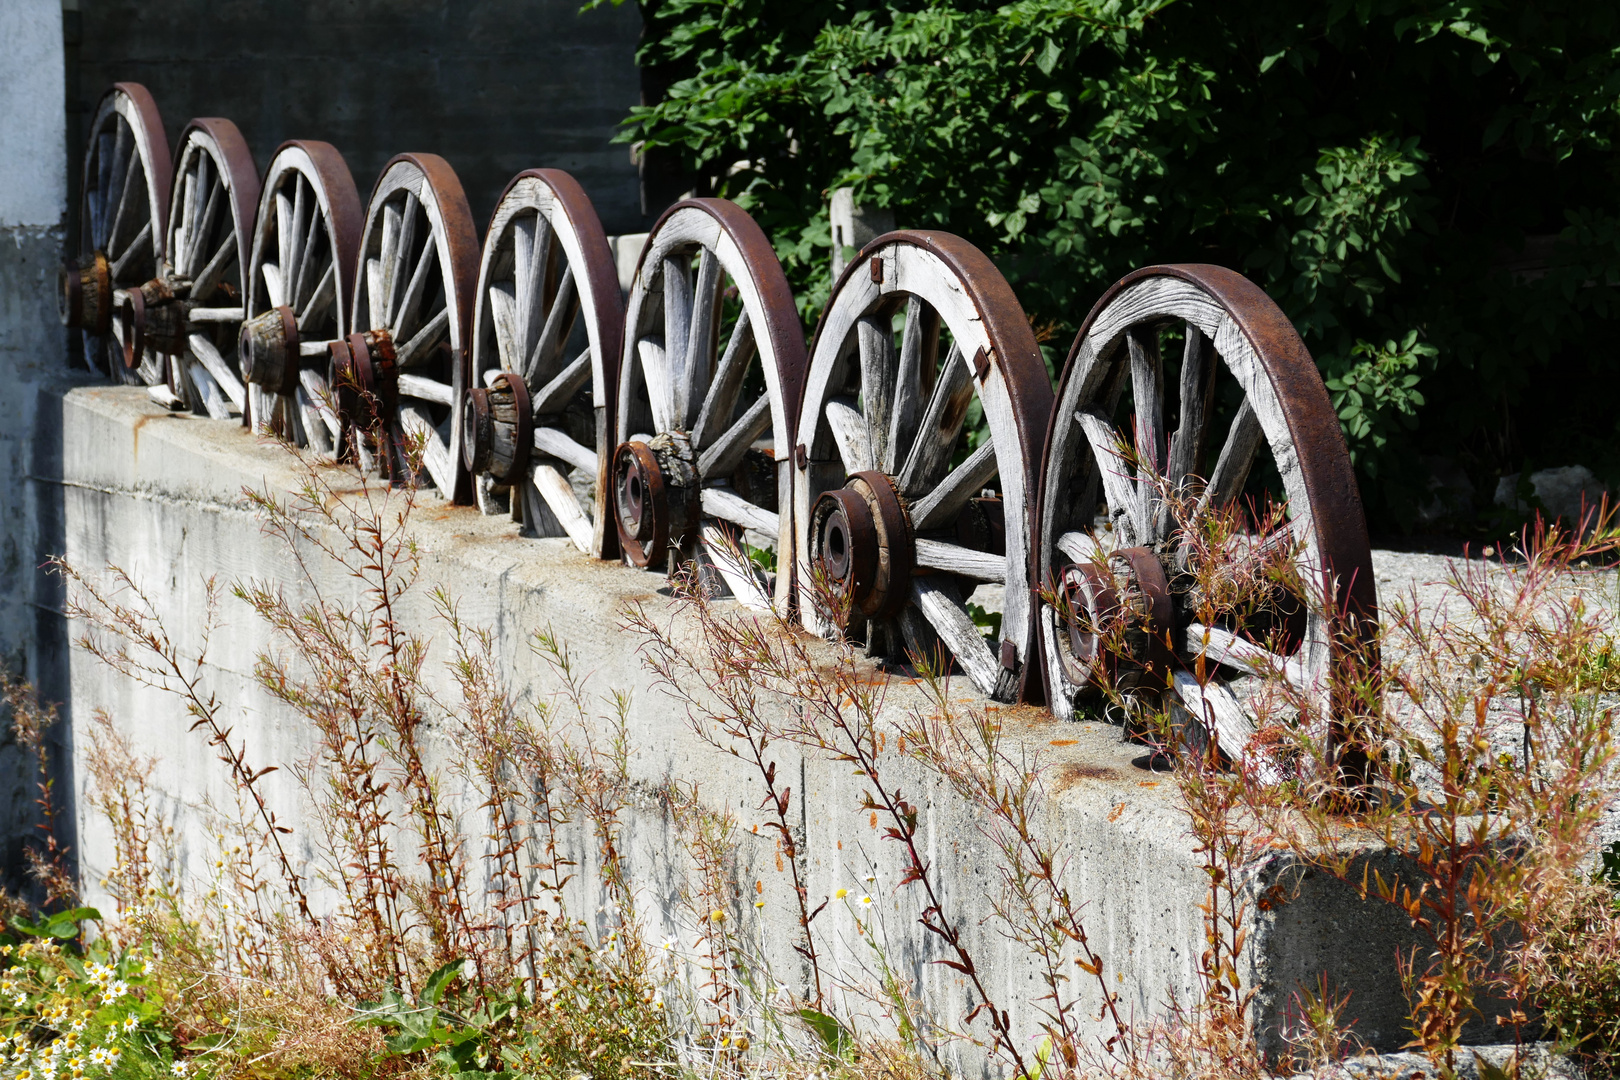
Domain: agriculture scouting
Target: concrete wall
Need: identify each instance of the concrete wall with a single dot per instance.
(161, 495)
(494, 86)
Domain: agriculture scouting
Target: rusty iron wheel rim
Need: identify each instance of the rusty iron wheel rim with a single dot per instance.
(1242, 335)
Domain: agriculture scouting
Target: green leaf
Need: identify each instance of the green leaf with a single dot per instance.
(835, 1038)
(433, 989)
(1049, 56)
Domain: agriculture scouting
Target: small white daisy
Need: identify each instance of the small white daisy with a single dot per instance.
(865, 901)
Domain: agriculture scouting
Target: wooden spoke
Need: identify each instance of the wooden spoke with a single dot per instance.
(930, 454)
(655, 370)
(208, 278)
(559, 323)
(412, 299)
(939, 601)
(205, 225)
(940, 506)
(559, 496)
(503, 314)
(677, 325)
(851, 434)
(556, 394)
(743, 580)
(551, 441)
(879, 366)
(215, 315)
(1218, 709)
(955, 559)
(323, 297)
(297, 245)
(1237, 457)
(695, 369)
(1078, 546)
(1197, 386)
(315, 389)
(423, 340)
(142, 241)
(1225, 647)
(1118, 486)
(314, 248)
(272, 283)
(394, 268)
(528, 252)
(314, 429)
(1147, 392)
(213, 398)
(727, 505)
(916, 371)
(426, 389)
(436, 457)
(284, 241)
(722, 458)
(721, 400)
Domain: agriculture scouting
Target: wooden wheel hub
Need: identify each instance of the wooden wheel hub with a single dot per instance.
(862, 541)
(155, 316)
(1131, 602)
(497, 429)
(268, 350)
(85, 301)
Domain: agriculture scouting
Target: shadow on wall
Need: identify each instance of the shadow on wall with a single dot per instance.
(494, 86)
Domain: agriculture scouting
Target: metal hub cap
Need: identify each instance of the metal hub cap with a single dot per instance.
(641, 501)
(862, 542)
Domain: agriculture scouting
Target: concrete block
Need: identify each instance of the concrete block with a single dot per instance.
(161, 495)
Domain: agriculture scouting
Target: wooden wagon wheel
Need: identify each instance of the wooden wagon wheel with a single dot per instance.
(123, 216)
(1112, 444)
(177, 328)
(401, 371)
(921, 339)
(300, 284)
(536, 424)
(708, 391)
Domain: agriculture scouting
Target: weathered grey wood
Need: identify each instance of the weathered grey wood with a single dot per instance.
(879, 365)
(322, 298)
(940, 603)
(215, 315)
(655, 371)
(315, 429)
(204, 351)
(1197, 393)
(721, 400)
(119, 164)
(909, 385)
(727, 505)
(549, 440)
(395, 268)
(1231, 470)
(503, 317)
(313, 246)
(315, 388)
(525, 281)
(295, 244)
(559, 321)
(559, 495)
(677, 284)
(412, 298)
(435, 455)
(205, 224)
(744, 580)
(1218, 709)
(556, 394)
(284, 233)
(308, 349)
(692, 386)
(851, 434)
(1225, 647)
(161, 394)
(930, 454)
(1119, 488)
(427, 389)
(272, 283)
(423, 340)
(204, 282)
(213, 399)
(722, 458)
(143, 239)
(1078, 546)
(1147, 393)
(955, 559)
(940, 506)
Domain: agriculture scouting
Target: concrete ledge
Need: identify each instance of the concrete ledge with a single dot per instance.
(161, 496)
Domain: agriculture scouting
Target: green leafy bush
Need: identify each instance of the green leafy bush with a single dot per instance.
(1437, 175)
